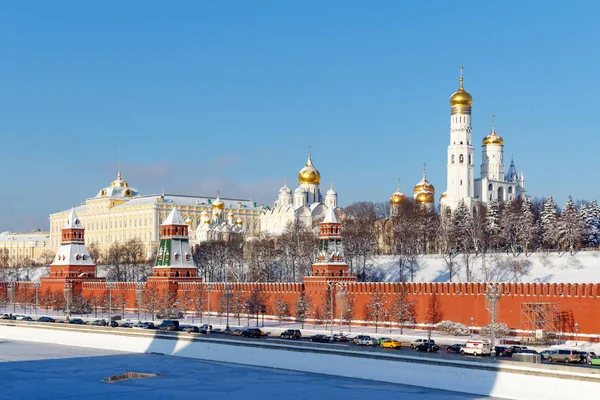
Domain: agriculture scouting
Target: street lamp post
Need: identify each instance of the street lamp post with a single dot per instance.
(139, 292)
(343, 296)
(472, 321)
(12, 287)
(228, 295)
(263, 310)
(493, 296)
(208, 287)
(68, 291)
(576, 332)
(331, 286)
(110, 286)
(37, 286)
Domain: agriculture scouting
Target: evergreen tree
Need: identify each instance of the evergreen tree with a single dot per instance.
(461, 225)
(591, 217)
(570, 227)
(526, 226)
(492, 223)
(509, 220)
(549, 224)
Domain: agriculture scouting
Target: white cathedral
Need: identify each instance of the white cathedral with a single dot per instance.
(493, 184)
(306, 205)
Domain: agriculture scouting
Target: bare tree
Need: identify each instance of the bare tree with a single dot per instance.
(434, 310)
(303, 308)
(375, 308)
(282, 309)
(403, 310)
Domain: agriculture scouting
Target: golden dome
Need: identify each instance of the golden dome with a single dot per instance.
(119, 182)
(397, 198)
(218, 204)
(309, 173)
(461, 97)
(424, 197)
(492, 138)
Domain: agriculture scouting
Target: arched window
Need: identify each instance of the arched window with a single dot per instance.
(461, 159)
(452, 159)
(469, 159)
(510, 189)
(490, 187)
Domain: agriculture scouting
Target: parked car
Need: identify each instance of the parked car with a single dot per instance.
(205, 328)
(46, 319)
(585, 356)
(76, 321)
(476, 348)
(7, 316)
(291, 334)
(28, 318)
(547, 353)
(99, 322)
(427, 346)
(127, 324)
(366, 341)
(236, 332)
(359, 337)
(144, 325)
(455, 348)
(566, 356)
(383, 339)
(339, 337)
(516, 349)
(319, 338)
(528, 351)
(189, 328)
(418, 342)
(252, 332)
(18, 317)
(169, 325)
(390, 344)
(503, 351)
(594, 361)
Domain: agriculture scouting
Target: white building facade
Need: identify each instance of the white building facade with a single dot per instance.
(493, 184)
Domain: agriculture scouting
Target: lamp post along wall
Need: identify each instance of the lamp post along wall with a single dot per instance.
(37, 286)
(68, 291)
(110, 286)
(228, 295)
(11, 295)
(139, 292)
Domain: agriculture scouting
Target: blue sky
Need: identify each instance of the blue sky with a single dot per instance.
(205, 95)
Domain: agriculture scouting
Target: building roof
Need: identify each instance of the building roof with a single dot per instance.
(72, 221)
(174, 218)
(25, 237)
(330, 217)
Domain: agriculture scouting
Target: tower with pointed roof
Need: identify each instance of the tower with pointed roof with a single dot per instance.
(396, 201)
(424, 192)
(174, 256)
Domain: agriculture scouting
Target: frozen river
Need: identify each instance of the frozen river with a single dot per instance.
(48, 371)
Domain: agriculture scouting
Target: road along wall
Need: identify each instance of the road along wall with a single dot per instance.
(504, 380)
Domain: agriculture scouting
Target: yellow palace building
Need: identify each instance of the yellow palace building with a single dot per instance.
(119, 213)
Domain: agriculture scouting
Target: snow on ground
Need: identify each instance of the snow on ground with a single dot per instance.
(582, 267)
(73, 372)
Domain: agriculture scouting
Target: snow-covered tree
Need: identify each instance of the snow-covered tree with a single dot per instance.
(303, 309)
(282, 309)
(500, 330)
(590, 215)
(526, 226)
(570, 227)
(509, 219)
(376, 307)
(492, 223)
(403, 310)
(453, 328)
(549, 223)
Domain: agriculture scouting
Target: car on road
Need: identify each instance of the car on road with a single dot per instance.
(144, 325)
(503, 351)
(169, 325)
(236, 332)
(7, 316)
(528, 351)
(357, 338)
(127, 324)
(339, 337)
(76, 321)
(46, 319)
(455, 348)
(427, 346)
(99, 322)
(189, 328)
(594, 361)
(319, 338)
(390, 344)
(18, 317)
(291, 334)
(252, 333)
(516, 349)
(547, 353)
(205, 329)
(566, 356)
(418, 342)
(383, 339)
(476, 348)
(366, 341)
(585, 356)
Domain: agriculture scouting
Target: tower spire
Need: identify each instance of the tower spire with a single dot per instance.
(461, 78)
(398, 184)
(424, 172)
(119, 176)
(493, 123)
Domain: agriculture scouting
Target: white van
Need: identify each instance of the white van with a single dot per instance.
(476, 348)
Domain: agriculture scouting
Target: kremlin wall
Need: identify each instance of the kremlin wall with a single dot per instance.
(174, 279)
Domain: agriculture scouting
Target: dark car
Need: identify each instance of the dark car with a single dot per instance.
(339, 337)
(144, 325)
(429, 347)
(127, 324)
(27, 318)
(169, 325)
(455, 348)
(252, 332)
(586, 356)
(189, 328)
(205, 329)
(516, 349)
(503, 351)
(291, 334)
(76, 321)
(527, 351)
(99, 322)
(319, 338)
(46, 319)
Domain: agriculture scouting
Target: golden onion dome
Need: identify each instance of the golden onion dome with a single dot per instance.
(493, 138)
(461, 97)
(424, 197)
(309, 173)
(218, 204)
(423, 186)
(397, 198)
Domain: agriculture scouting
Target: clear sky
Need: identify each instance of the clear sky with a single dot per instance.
(203, 95)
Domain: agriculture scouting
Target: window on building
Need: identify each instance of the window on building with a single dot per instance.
(461, 158)
(452, 159)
